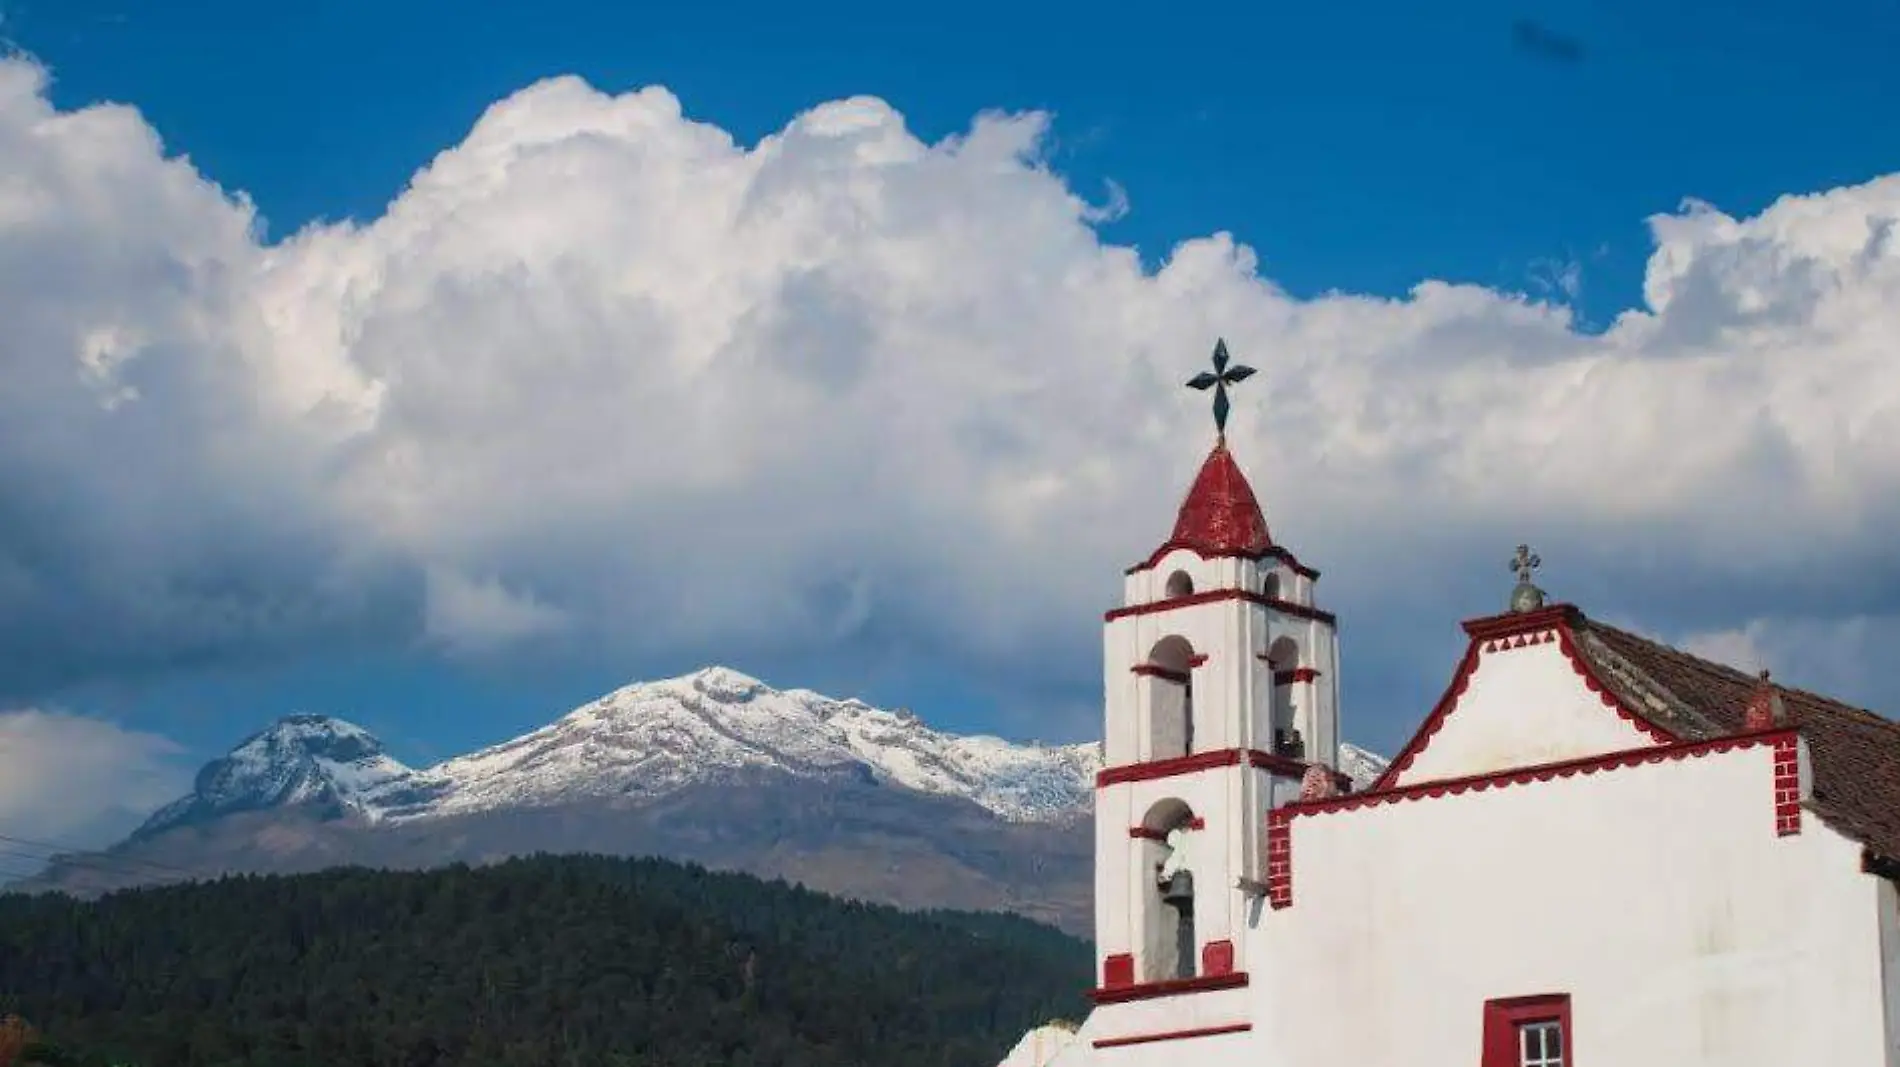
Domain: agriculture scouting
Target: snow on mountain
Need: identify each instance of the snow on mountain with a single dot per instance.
(717, 724)
(1363, 767)
(300, 759)
(649, 739)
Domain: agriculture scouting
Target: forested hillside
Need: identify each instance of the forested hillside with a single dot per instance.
(548, 962)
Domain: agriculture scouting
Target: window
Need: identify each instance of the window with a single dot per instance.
(1180, 585)
(1528, 1032)
(1540, 1044)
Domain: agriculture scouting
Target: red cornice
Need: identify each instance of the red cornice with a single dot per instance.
(1294, 676)
(1274, 553)
(1172, 1035)
(1514, 623)
(1491, 633)
(1170, 988)
(1213, 596)
(1542, 772)
(1149, 670)
(1200, 761)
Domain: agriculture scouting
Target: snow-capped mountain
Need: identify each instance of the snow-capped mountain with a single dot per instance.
(717, 724)
(651, 739)
(1360, 765)
(714, 767)
(301, 759)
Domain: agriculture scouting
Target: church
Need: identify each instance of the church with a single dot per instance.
(1595, 850)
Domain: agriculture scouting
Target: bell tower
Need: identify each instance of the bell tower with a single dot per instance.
(1222, 683)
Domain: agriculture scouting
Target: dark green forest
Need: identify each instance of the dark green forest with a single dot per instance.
(541, 962)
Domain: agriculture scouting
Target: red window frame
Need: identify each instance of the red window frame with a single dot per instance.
(1503, 1017)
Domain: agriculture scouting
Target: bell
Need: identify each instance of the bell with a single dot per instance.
(1178, 891)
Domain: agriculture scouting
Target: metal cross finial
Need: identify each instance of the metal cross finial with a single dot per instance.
(1222, 377)
(1524, 563)
(1526, 597)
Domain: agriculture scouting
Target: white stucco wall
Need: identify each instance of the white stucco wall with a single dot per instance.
(1657, 896)
(1522, 707)
(1214, 1009)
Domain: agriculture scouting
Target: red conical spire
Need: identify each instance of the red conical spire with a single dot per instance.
(1220, 516)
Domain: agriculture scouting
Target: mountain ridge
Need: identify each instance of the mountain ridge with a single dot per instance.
(713, 767)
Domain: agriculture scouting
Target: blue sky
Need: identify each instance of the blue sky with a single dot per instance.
(1358, 148)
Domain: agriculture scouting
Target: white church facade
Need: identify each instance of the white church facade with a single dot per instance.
(1596, 851)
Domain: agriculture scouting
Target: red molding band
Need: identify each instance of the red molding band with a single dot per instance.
(1541, 772)
(1142, 832)
(1273, 552)
(1787, 786)
(1120, 994)
(1172, 1035)
(1294, 676)
(1215, 596)
(1200, 761)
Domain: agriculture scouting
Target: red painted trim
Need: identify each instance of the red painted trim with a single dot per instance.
(1145, 834)
(1172, 987)
(1273, 552)
(1172, 1035)
(1787, 785)
(1200, 761)
(1149, 670)
(1503, 1017)
(1511, 624)
(1492, 634)
(1196, 660)
(1542, 772)
(1567, 642)
(1279, 859)
(1118, 971)
(1460, 679)
(1217, 957)
(1215, 596)
(1294, 676)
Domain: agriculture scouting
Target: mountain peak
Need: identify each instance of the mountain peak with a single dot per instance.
(299, 759)
(713, 726)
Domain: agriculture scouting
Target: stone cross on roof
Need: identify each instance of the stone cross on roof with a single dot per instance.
(1526, 596)
(1222, 377)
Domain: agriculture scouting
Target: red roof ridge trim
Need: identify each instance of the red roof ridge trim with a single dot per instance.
(1491, 633)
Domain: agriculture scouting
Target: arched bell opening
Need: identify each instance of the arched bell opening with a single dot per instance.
(1180, 584)
(1169, 678)
(1167, 863)
(1284, 657)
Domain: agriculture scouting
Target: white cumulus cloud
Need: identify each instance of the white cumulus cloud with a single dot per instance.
(76, 781)
(602, 375)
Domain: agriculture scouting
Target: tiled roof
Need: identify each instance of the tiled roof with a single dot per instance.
(1855, 753)
(1221, 516)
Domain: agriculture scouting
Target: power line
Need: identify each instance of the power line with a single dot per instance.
(70, 853)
